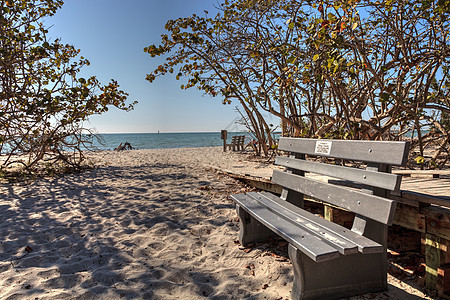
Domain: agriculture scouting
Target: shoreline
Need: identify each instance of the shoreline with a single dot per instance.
(144, 224)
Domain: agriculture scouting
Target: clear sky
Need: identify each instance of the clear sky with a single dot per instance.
(112, 35)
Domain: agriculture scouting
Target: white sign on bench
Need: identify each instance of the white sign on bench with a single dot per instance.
(323, 147)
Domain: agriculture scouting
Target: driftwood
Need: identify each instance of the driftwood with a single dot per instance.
(126, 146)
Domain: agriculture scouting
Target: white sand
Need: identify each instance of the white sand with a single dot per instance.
(146, 224)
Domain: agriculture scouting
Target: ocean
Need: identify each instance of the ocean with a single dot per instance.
(110, 141)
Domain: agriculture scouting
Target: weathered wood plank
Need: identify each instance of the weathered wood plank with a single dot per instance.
(410, 217)
(328, 213)
(392, 153)
(311, 245)
(427, 173)
(410, 202)
(376, 208)
(438, 221)
(257, 182)
(339, 216)
(443, 281)
(308, 222)
(377, 179)
(436, 256)
(364, 244)
(432, 260)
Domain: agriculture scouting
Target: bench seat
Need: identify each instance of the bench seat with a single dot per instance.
(318, 238)
(329, 260)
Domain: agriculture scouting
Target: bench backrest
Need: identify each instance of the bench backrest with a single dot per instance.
(238, 140)
(370, 197)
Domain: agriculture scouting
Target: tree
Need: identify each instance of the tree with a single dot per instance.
(328, 69)
(217, 57)
(387, 72)
(43, 103)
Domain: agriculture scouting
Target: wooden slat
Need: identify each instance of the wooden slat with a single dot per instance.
(344, 246)
(424, 198)
(308, 243)
(373, 207)
(391, 153)
(438, 221)
(430, 173)
(377, 179)
(410, 217)
(305, 218)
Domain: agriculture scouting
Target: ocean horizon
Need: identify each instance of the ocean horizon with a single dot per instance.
(110, 141)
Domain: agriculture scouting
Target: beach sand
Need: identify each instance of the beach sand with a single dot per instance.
(144, 224)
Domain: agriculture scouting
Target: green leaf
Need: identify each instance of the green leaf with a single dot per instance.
(291, 25)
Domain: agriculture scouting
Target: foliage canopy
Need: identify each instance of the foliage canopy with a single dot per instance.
(328, 69)
(43, 102)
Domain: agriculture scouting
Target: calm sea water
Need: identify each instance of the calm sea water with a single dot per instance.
(163, 140)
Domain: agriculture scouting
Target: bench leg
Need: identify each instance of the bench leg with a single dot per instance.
(338, 278)
(251, 230)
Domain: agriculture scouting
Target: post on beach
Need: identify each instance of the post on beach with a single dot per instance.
(223, 136)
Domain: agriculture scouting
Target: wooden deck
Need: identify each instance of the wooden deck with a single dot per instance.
(437, 187)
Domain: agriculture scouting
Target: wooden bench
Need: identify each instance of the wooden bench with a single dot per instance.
(329, 261)
(237, 143)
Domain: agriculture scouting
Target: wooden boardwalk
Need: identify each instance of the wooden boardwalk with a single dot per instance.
(439, 187)
(426, 187)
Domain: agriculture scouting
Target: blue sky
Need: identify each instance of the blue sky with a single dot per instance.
(112, 35)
